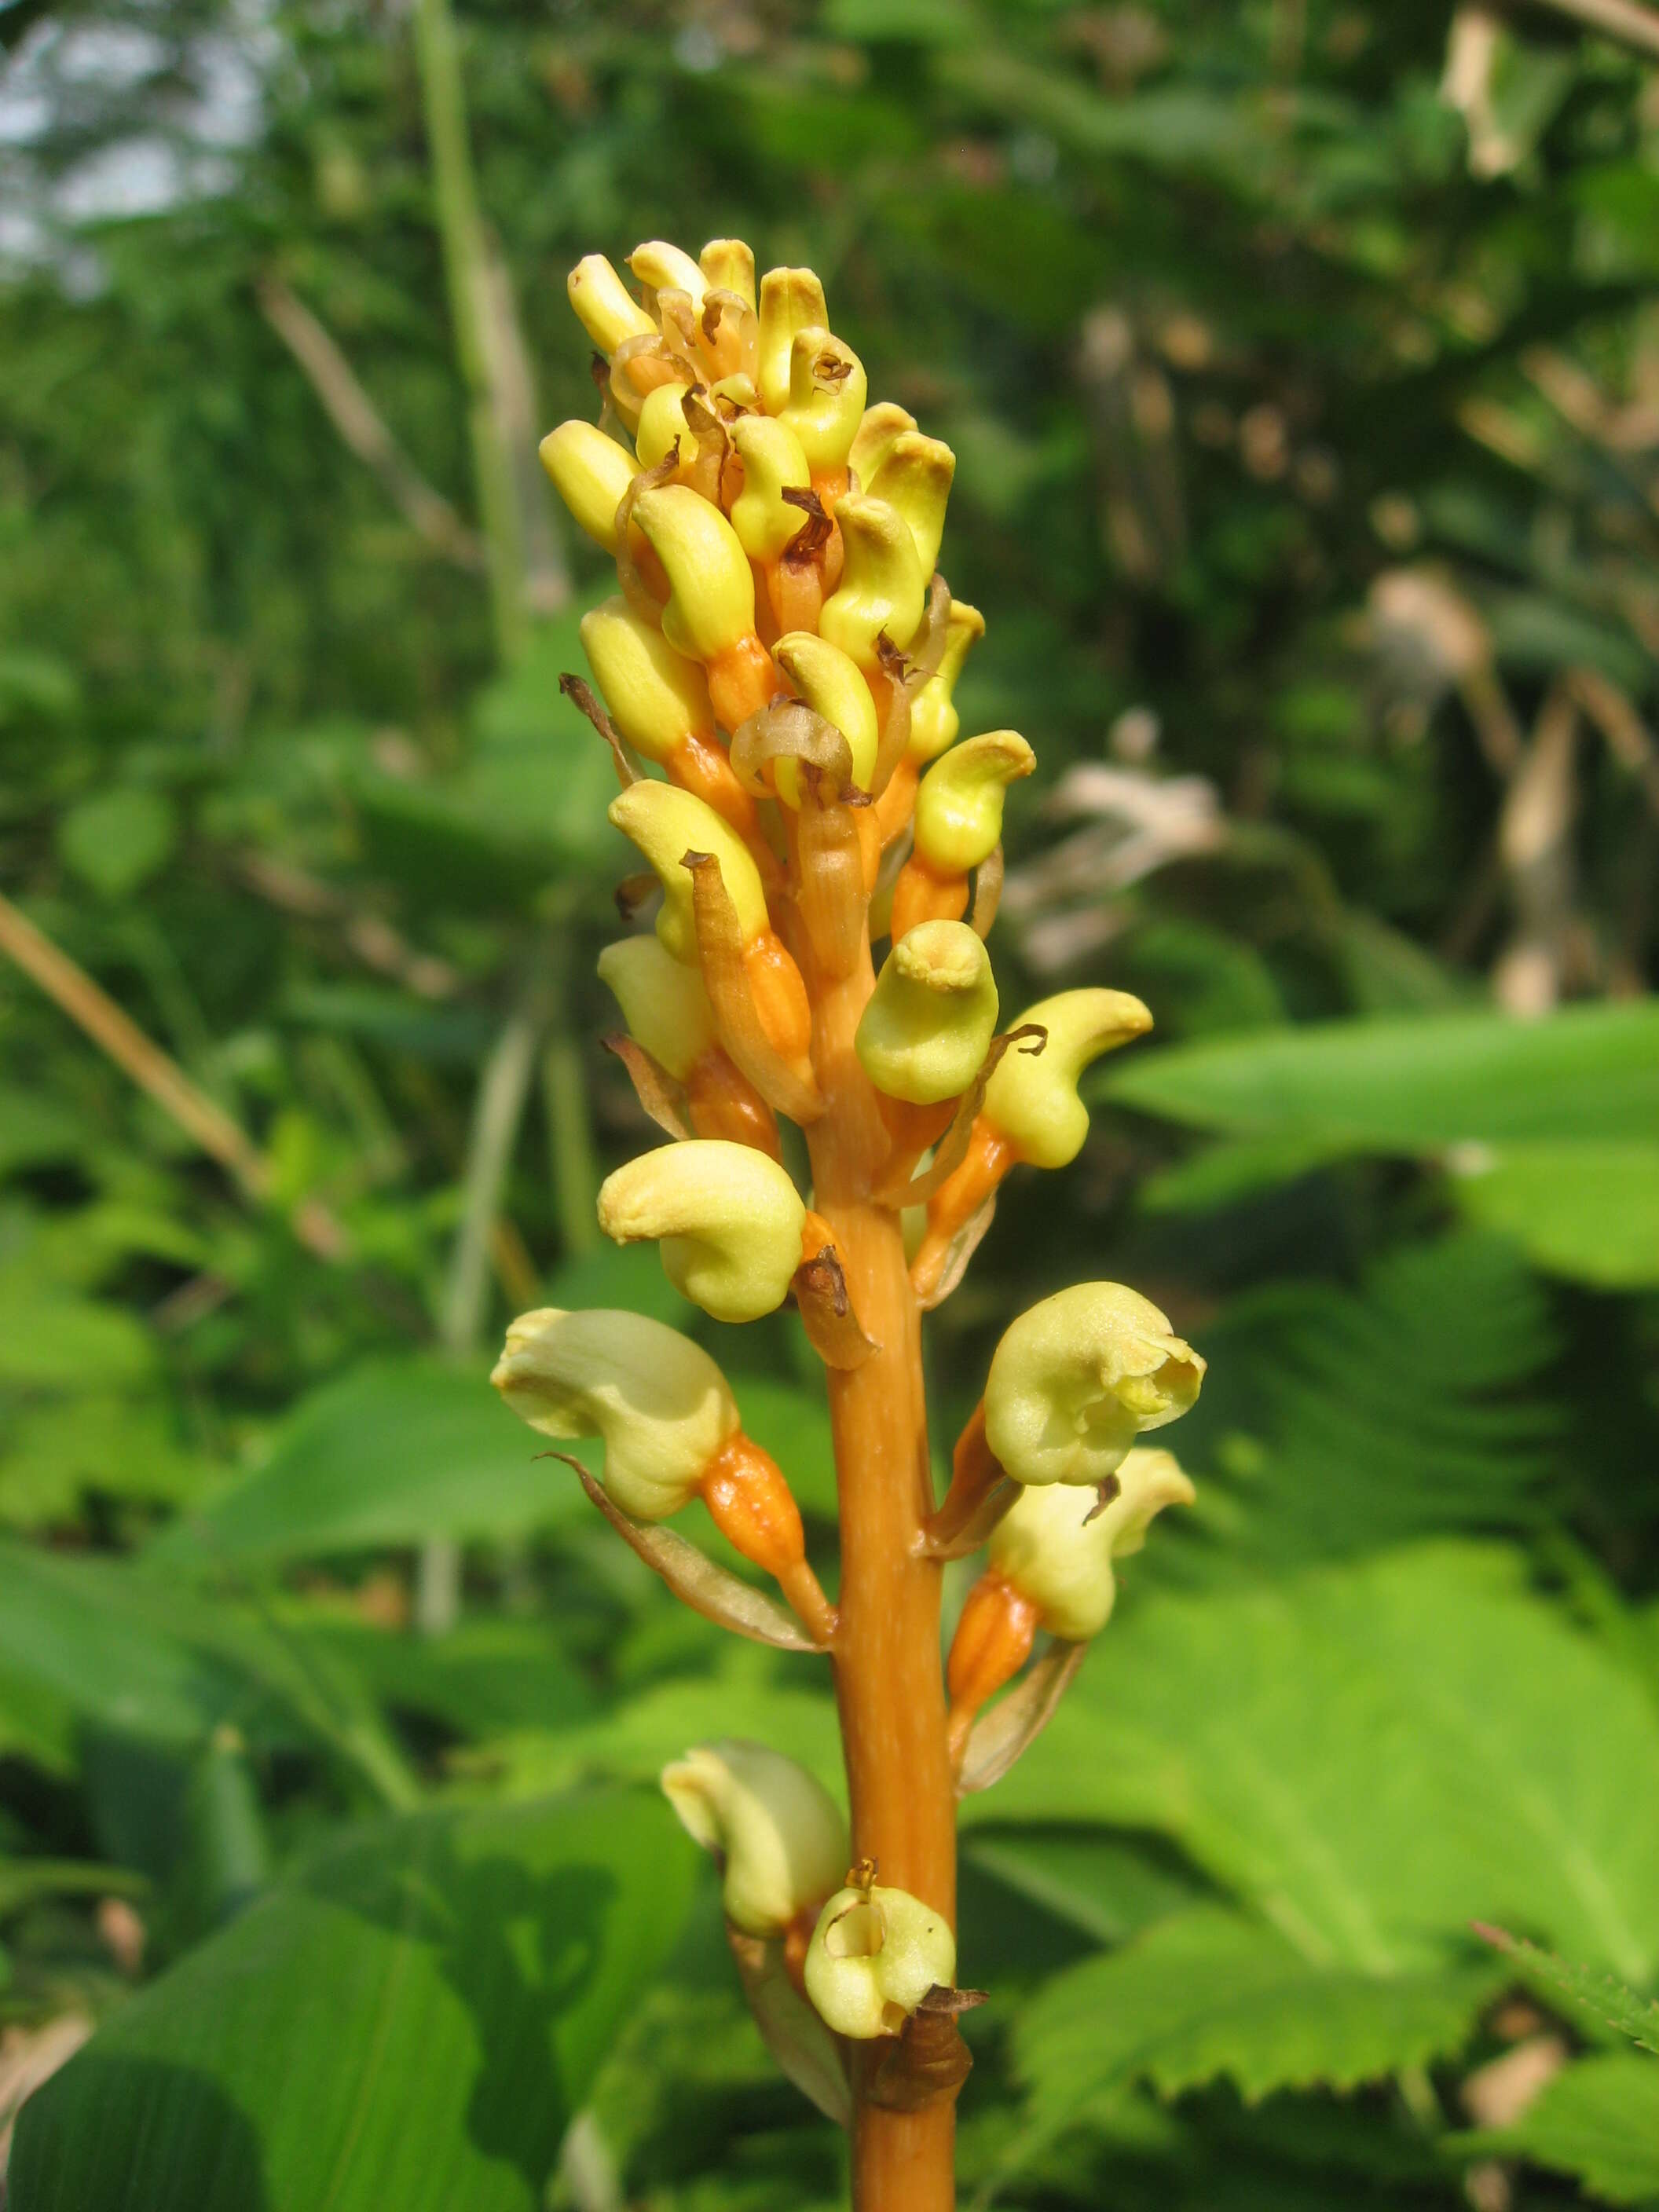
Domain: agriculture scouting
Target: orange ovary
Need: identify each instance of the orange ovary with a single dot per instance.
(782, 1005)
(921, 896)
(755, 1509)
(721, 1102)
(958, 1199)
(741, 681)
(993, 1642)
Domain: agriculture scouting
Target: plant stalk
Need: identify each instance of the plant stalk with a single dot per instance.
(889, 1676)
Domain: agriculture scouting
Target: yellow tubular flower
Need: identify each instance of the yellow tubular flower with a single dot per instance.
(1077, 1379)
(591, 472)
(1032, 1097)
(881, 585)
(1032, 1110)
(827, 390)
(663, 429)
(1056, 1545)
(915, 475)
(882, 424)
(874, 1956)
(667, 824)
(609, 312)
(959, 804)
(779, 1837)
(934, 719)
(659, 1400)
(773, 462)
(727, 1221)
(657, 697)
(668, 269)
(791, 300)
(926, 1027)
(728, 265)
(710, 614)
(663, 1002)
(833, 686)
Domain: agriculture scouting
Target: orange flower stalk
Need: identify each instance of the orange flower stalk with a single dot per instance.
(784, 653)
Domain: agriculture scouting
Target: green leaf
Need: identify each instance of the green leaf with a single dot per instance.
(1413, 1086)
(118, 839)
(1206, 1993)
(1106, 1885)
(1608, 2002)
(1372, 1757)
(1599, 2119)
(1589, 1212)
(411, 2020)
(395, 1451)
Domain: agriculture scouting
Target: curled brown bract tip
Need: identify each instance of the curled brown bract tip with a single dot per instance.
(826, 1311)
(789, 729)
(581, 697)
(654, 1086)
(810, 540)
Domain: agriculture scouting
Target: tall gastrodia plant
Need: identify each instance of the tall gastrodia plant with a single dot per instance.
(776, 671)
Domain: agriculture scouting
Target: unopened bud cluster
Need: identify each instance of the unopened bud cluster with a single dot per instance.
(777, 668)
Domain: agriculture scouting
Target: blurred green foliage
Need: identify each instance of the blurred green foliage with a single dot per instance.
(1302, 362)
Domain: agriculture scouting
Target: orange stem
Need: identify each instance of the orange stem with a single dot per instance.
(889, 1680)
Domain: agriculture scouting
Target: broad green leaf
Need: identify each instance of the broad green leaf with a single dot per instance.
(50, 1338)
(1413, 1085)
(1373, 1757)
(1587, 1211)
(23, 1882)
(1599, 2120)
(1107, 1886)
(395, 1451)
(485, 1677)
(65, 1628)
(413, 2020)
(1206, 1993)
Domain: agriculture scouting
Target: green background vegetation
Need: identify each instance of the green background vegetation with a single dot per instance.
(1302, 361)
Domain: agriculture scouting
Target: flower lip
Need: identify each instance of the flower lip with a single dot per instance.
(1077, 1377)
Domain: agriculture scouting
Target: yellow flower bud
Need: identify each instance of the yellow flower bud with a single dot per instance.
(833, 686)
(663, 429)
(1032, 1099)
(791, 300)
(727, 1218)
(933, 719)
(874, 1956)
(668, 269)
(667, 824)
(728, 265)
(1077, 1379)
(779, 1835)
(827, 391)
(711, 586)
(591, 472)
(659, 1402)
(663, 1002)
(927, 1026)
(881, 585)
(608, 310)
(915, 475)
(657, 697)
(772, 463)
(882, 424)
(1055, 1545)
(959, 803)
